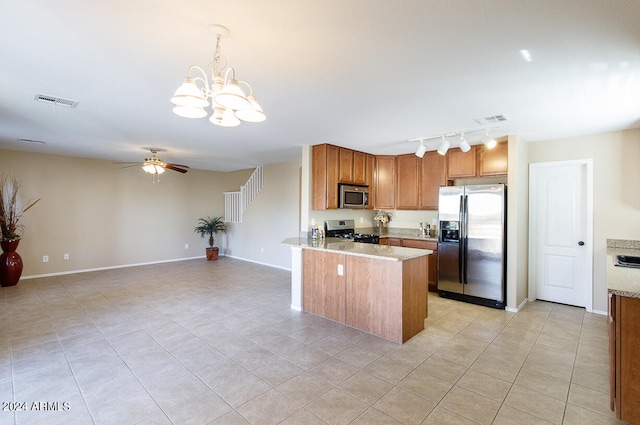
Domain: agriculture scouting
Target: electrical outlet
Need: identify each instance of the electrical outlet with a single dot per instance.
(361, 219)
(45, 258)
(66, 256)
(186, 246)
(340, 270)
(261, 250)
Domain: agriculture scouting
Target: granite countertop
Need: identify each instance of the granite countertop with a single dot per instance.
(383, 252)
(623, 281)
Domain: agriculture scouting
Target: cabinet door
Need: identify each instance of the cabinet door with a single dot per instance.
(432, 259)
(494, 162)
(433, 174)
(394, 241)
(385, 183)
(613, 405)
(346, 166)
(627, 348)
(359, 167)
(369, 179)
(461, 164)
(324, 165)
(408, 182)
(323, 290)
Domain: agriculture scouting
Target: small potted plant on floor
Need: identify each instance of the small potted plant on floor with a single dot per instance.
(208, 226)
(11, 210)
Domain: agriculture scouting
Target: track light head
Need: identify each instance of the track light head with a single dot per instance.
(464, 145)
(444, 146)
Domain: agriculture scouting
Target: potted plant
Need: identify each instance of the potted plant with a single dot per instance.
(208, 226)
(10, 213)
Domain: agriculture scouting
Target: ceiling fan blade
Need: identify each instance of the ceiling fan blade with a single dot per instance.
(176, 167)
(179, 165)
(128, 164)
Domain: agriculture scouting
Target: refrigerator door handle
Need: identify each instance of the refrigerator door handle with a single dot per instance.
(464, 224)
(461, 271)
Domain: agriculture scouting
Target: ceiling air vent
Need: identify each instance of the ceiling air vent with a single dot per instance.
(52, 100)
(37, 142)
(492, 119)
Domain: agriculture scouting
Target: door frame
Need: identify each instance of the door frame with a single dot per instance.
(534, 169)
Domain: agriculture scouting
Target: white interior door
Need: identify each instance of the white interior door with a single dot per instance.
(560, 232)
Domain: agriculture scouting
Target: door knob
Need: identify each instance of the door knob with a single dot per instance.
(581, 243)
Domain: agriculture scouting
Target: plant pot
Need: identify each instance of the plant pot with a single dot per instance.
(212, 253)
(10, 263)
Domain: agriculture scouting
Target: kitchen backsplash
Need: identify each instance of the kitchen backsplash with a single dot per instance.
(364, 218)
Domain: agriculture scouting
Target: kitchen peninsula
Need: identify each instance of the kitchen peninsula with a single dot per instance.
(378, 289)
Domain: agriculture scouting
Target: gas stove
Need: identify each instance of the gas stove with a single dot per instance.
(345, 229)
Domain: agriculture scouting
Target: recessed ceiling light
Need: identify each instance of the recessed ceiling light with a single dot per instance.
(526, 55)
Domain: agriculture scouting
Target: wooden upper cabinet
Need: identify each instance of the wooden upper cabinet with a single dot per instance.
(433, 174)
(478, 162)
(385, 186)
(494, 162)
(346, 166)
(359, 169)
(407, 182)
(324, 165)
(353, 167)
(370, 168)
(461, 164)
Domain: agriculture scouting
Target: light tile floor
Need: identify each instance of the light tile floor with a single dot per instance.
(197, 342)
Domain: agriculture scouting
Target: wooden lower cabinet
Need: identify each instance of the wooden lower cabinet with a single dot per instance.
(323, 289)
(624, 346)
(391, 241)
(432, 259)
(382, 297)
(386, 298)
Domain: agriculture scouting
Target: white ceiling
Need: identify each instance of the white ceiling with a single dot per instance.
(364, 74)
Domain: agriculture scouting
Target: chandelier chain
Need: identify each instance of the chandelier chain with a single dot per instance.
(219, 62)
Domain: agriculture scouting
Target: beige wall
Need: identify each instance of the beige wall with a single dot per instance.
(103, 216)
(272, 217)
(517, 223)
(616, 190)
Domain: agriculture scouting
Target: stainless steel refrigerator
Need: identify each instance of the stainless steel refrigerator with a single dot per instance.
(472, 244)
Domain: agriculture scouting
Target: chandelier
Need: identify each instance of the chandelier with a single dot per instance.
(229, 103)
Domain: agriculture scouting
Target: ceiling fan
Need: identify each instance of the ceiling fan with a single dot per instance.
(155, 165)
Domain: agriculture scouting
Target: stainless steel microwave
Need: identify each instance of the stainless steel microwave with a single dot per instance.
(352, 196)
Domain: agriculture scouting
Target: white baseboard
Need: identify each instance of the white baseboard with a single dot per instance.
(35, 276)
(517, 309)
(258, 262)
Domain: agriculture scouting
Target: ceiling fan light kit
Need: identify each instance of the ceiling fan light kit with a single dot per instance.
(155, 166)
(229, 102)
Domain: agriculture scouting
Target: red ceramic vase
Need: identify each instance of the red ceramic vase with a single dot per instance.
(10, 263)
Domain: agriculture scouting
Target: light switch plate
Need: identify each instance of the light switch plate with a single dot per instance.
(340, 270)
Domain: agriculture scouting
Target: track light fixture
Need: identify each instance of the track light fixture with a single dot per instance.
(229, 102)
(421, 150)
(489, 142)
(463, 143)
(444, 146)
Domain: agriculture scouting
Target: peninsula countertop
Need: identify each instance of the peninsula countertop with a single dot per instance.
(623, 281)
(383, 252)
